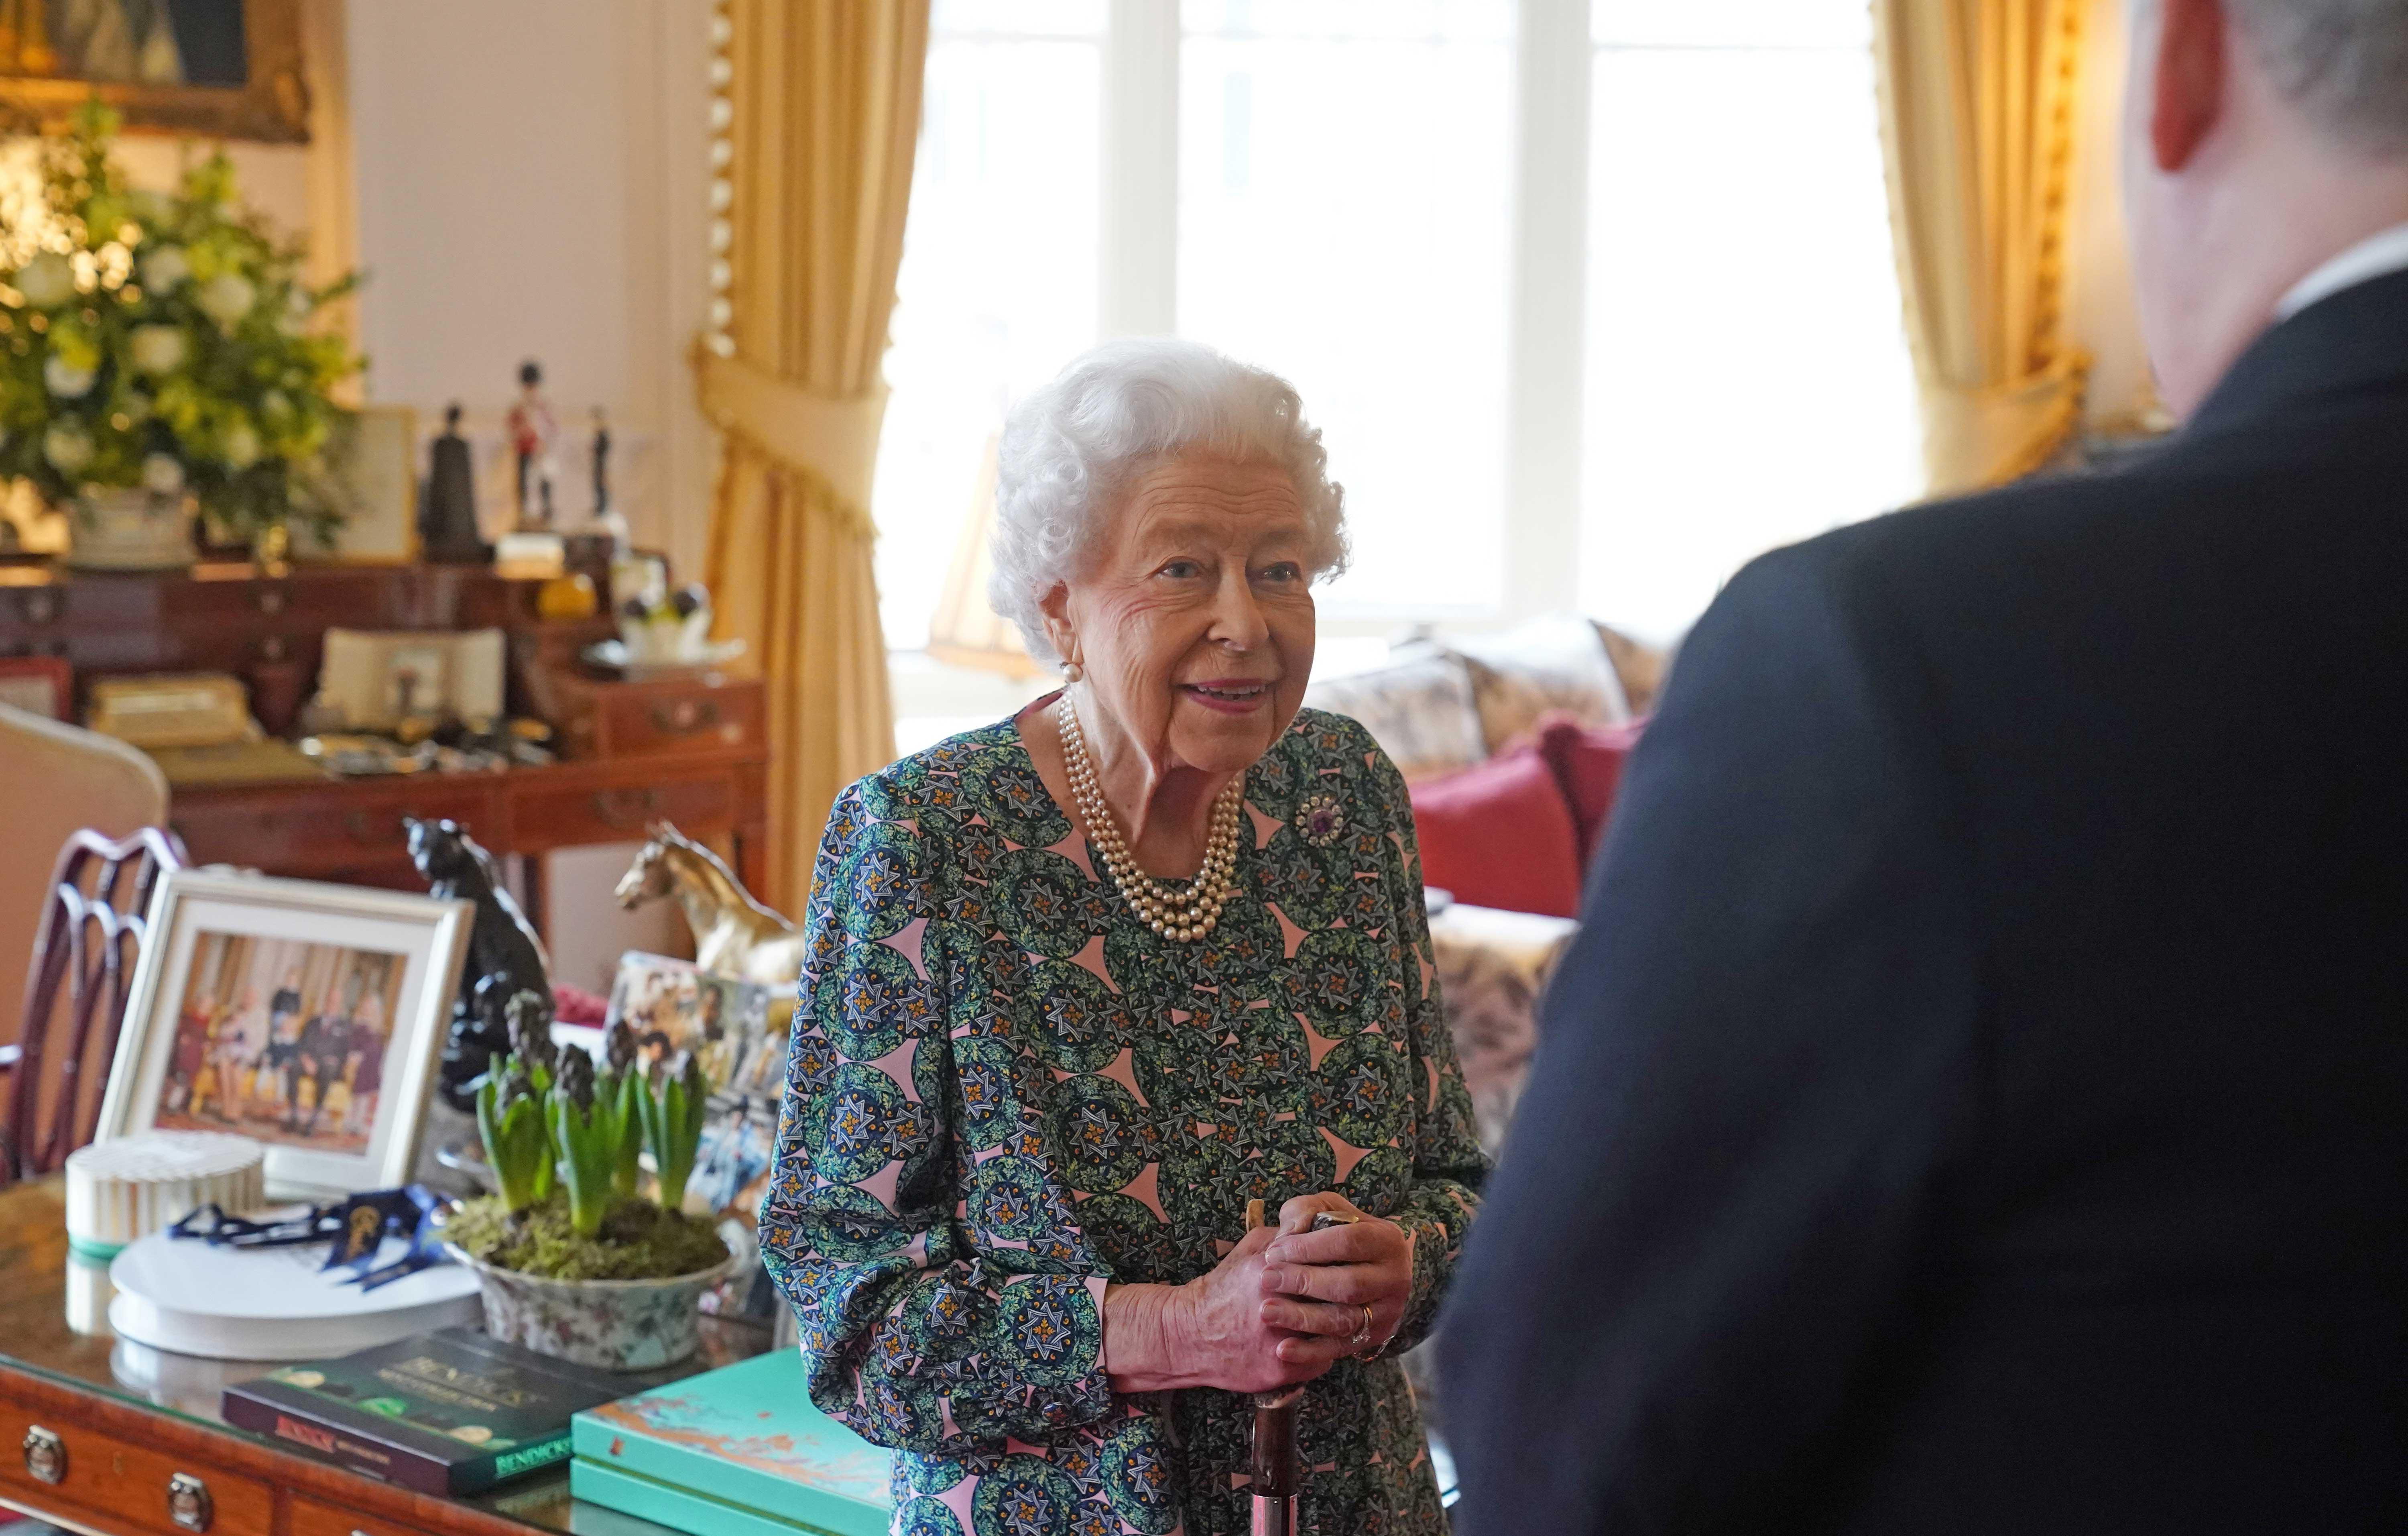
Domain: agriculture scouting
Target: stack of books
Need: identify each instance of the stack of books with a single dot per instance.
(735, 1452)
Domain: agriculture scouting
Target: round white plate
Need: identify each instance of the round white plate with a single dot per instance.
(180, 1294)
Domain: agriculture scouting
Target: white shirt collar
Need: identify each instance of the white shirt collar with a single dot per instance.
(2378, 256)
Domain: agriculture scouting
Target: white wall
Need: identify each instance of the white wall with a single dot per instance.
(530, 183)
(529, 179)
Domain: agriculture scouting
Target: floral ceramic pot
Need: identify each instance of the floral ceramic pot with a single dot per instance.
(615, 1325)
(129, 529)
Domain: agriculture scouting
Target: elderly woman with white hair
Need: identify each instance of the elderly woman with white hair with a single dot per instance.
(1084, 984)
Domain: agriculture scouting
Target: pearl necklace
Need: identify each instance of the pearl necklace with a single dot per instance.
(1184, 912)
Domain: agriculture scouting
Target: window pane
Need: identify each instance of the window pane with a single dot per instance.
(1344, 218)
(1733, 23)
(997, 287)
(1748, 380)
(1021, 17)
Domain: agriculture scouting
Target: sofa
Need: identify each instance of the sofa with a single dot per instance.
(1512, 746)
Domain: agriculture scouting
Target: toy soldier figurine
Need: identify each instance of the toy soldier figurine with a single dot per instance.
(447, 520)
(601, 464)
(534, 431)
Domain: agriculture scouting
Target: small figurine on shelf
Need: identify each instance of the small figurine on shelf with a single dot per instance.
(447, 518)
(609, 522)
(535, 433)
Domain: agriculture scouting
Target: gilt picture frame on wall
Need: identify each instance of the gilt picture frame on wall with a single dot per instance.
(304, 1015)
(213, 68)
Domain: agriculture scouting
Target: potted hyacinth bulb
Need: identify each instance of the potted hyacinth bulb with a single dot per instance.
(576, 1259)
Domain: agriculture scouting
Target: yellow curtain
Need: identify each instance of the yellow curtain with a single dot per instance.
(826, 101)
(1978, 111)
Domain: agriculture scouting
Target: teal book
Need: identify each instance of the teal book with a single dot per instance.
(739, 1451)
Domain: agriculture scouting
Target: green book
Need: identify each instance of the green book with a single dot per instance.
(739, 1451)
(448, 1413)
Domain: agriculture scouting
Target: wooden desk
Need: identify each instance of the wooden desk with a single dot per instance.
(134, 1417)
(350, 829)
(692, 751)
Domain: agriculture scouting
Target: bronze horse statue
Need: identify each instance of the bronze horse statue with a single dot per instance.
(734, 935)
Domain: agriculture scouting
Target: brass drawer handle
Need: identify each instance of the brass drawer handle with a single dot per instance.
(685, 717)
(188, 1502)
(45, 1456)
(606, 806)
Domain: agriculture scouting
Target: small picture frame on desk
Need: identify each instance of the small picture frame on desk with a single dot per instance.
(42, 685)
(304, 1015)
(372, 479)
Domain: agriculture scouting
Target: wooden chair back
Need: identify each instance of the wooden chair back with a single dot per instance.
(95, 923)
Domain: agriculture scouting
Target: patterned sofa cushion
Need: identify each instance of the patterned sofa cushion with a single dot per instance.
(1556, 663)
(1419, 707)
(1640, 666)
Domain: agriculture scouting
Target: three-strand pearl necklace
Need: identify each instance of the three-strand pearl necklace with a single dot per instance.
(1184, 912)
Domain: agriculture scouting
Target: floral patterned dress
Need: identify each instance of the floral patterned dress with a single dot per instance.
(1004, 1093)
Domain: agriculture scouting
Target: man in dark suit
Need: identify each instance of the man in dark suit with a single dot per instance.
(1978, 1098)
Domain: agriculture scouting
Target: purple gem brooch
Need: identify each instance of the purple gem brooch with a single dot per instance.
(1318, 821)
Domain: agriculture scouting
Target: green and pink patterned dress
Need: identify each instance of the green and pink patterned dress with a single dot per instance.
(1005, 1092)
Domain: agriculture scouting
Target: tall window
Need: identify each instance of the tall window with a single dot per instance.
(1747, 381)
(1576, 337)
(1001, 259)
(1345, 218)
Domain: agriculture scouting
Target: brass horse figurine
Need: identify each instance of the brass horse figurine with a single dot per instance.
(734, 935)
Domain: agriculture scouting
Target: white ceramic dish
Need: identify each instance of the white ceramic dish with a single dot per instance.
(180, 1294)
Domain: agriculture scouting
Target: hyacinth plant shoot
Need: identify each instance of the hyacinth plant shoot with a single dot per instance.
(566, 1164)
(166, 340)
(673, 1128)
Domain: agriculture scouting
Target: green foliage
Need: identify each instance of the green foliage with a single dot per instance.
(627, 1094)
(164, 340)
(622, 1083)
(590, 1129)
(673, 1113)
(518, 1143)
(635, 1241)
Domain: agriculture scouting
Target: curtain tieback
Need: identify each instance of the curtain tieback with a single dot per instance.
(1992, 433)
(832, 437)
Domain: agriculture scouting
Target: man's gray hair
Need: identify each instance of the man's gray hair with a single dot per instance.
(2342, 62)
(1071, 448)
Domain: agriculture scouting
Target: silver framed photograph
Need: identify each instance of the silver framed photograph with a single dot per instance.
(304, 1015)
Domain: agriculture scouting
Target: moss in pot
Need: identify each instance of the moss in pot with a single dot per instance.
(574, 1261)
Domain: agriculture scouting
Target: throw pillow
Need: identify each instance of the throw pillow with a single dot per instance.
(1419, 707)
(1587, 762)
(1559, 662)
(1499, 835)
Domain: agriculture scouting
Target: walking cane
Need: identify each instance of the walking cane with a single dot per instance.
(1277, 1478)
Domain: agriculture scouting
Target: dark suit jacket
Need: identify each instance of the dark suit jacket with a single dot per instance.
(1978, 1097)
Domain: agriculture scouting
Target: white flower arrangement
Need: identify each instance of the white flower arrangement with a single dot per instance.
(162, 340)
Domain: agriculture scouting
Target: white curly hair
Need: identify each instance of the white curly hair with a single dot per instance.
(1071, 448)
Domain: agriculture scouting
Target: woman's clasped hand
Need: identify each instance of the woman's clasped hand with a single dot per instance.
(1281, 1307)
(1339, 1291)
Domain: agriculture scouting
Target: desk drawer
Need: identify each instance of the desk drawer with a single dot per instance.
(307, 1517)
(652, 722)
(319, 827)
(112, 1483)
(700, 804)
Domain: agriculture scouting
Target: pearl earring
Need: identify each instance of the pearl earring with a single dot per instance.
(1072, 671)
